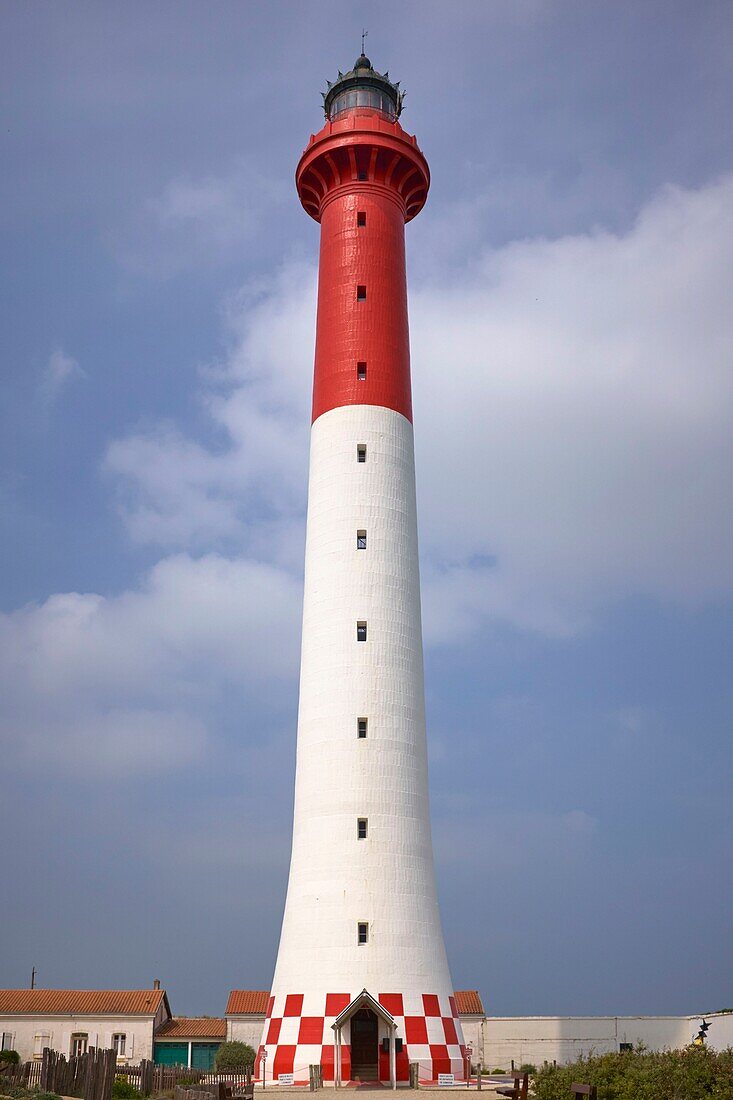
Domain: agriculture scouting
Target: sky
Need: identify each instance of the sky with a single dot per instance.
(570, 287)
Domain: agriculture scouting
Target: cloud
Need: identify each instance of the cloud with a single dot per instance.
(197, 221)
(250, 490)
(59, 370)
(134, 682)
(572, 424)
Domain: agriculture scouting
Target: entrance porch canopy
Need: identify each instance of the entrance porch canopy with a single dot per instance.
(365, 1000)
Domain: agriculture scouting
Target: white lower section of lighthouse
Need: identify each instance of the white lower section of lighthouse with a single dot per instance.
(361, 910)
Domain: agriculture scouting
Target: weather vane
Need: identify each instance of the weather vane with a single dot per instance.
(364, 34)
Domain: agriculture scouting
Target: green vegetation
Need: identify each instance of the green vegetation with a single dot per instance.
(20, 1092)
(497, 1070)
(695, 1073)
(234, 1055)
(10, 1056)
(527, 1067)
(122, 1089)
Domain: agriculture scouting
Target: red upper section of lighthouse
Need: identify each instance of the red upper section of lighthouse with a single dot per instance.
(362, 177)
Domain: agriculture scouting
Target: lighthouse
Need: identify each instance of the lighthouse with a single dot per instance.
(362, 986)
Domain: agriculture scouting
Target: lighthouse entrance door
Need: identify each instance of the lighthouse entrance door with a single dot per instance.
(364, 1045)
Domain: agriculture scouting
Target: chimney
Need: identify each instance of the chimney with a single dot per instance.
(156, 983)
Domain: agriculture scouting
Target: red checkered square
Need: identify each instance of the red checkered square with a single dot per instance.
(431, 1004)
(416, 1030)
(273, 1031)
(284, 1061)
(293, 1006)
(327, 1061)
(441, 1059)
(311, 1029)
(336, 1003)
(453, 1008)
(449, 1026)
(270, 1006)
(393, 1003)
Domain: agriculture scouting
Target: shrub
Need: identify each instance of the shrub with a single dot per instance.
(10, 1056)
(694, 1073)
(123, 1090)
(499, 1071)
(234, 1055)
(527, 1067)
(20, 1092)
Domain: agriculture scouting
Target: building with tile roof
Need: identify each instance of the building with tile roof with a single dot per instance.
(190, 1041)
(71, 1020)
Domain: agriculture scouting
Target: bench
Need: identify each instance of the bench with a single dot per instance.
(518, 1091)
(584, 1090)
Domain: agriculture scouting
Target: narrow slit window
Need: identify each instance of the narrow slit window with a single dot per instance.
(361, 631)
(361, 372)
(361, 828)
(363, 176)
(361, 540)
(361, 293)
(361, 728)
(361, 452)
(362, 932)
(361, 218)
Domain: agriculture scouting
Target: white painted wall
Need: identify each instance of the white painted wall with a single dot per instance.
(335, 879)
(245, 1029)
(496, 1040)
(100, 1029)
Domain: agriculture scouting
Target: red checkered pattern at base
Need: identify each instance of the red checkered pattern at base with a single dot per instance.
(298, 1034)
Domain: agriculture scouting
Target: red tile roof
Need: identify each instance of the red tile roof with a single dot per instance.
(81, 1002)
(252, 1001)
(193, 1027)
(469, 1003)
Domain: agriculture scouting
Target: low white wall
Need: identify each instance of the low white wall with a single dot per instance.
(537, 1039)
(246, 1029)
(100, 1029)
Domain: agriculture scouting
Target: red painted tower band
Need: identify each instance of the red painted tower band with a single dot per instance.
(362, 177)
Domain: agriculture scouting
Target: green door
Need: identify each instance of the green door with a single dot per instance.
(171, 1054)
(203, 1054)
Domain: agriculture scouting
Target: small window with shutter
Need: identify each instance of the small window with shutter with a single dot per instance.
(79, 1043)
(41, 1040)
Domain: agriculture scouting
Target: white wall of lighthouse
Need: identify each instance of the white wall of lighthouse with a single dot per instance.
(386, 880)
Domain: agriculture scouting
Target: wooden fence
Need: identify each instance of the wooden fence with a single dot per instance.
(88, 1076)
(27, 1074)
(151, 1080)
